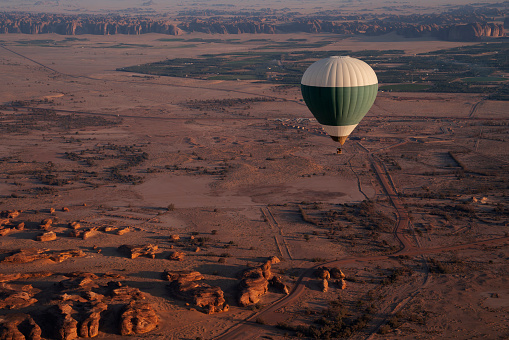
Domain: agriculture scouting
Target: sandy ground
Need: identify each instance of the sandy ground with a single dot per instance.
(219, 170)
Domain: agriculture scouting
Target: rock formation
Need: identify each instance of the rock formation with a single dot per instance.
(32, 254)
(10, 214)
(466, 25)
(65, 327)
(16, 296)
(134, 251)
(185, 286)
(322, 273)
(471, 32)
(176, 256)
(45, 237)
(336, 273)
(137, 318)
(89, 326)
(277, 283)
(19, 327)
(255, 282)
(78, 306)
(46, 224)
(325, 285)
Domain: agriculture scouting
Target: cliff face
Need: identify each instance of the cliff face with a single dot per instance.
(414, 27)
(75, 25)
(472, 32)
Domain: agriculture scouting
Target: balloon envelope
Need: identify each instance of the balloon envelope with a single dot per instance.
(339, 91)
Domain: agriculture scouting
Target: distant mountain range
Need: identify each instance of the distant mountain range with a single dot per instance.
(446, 27)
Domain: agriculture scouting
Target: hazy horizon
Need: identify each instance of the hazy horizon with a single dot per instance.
(154, 7)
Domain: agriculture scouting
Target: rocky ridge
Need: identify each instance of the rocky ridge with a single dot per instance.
(457, 27)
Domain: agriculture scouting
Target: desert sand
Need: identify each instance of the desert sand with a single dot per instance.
(254, 181)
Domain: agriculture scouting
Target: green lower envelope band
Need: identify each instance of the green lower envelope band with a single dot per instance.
(339, 106)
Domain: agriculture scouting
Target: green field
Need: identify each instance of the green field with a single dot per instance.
(483, 79)
(467, 69)
(405, 87)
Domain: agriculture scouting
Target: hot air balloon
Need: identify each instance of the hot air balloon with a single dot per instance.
(339, 91)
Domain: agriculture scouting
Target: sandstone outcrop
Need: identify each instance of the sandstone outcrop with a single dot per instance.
(78, 307)
(255, 282)
(65, 327)
(185, 286)
(325, 285)
(322, 273)
(32, 254)
(19, 276)
(89, 326)
(336, 273)
(74, 225)
(277, 283)
(182, 275)
(134, 251)
(466, 25)
(16, 296)
(137, 318)
(123, 231)
(10, 214)
(45, 237)
(19, 327)
(176, 256)
(119, 292)
(46, 224)
(471, 32)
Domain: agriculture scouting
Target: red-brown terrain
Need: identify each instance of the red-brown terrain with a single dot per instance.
(142, 206)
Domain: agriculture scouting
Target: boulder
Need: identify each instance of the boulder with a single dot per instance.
(176, 256)
(137, 318)
(134, 251)
(20, 226)
(19, 327)
(65, 209)
(174, 237)
(47, 236)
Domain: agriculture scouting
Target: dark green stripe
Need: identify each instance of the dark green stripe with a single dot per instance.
(339, 106)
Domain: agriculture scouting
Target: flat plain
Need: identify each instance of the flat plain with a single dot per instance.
(414, 212)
